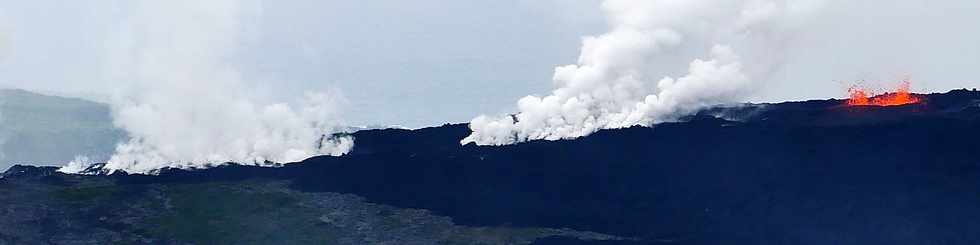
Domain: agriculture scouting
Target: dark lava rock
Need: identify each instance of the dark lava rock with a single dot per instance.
(814, 172)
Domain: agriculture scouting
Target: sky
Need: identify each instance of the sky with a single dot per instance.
(425, 62)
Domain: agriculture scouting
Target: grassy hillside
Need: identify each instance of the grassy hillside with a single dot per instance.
(42, 207)
(48, 130)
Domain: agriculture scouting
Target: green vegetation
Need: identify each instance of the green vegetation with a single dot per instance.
(83, 194)
(239, 212)
(227, 214)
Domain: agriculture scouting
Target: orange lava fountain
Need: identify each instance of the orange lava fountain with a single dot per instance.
(902, 96)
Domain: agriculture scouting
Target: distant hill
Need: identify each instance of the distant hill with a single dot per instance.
(50, 130)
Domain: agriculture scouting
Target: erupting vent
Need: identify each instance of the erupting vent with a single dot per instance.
(859, 96)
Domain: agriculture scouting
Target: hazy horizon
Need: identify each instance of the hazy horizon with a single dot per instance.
(426, 62)
(258, 81)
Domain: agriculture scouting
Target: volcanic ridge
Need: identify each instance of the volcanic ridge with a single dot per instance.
(812, 172)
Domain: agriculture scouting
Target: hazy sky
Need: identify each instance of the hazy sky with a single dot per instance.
(428, 62)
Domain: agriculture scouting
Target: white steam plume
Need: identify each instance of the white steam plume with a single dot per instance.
(185, 105)
(3, 55)
(3, 37)
(615, 83)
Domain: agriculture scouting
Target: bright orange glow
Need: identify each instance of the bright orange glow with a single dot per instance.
(901, 96)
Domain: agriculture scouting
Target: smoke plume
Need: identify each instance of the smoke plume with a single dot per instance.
(615, 84)
(185, 104)
(3, 37)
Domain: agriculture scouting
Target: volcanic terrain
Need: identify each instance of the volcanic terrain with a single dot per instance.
(813, 172)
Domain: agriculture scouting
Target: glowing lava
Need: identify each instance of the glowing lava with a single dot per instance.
(902, 96)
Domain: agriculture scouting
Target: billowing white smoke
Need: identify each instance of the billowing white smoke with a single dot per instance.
(3, 38)
(3, 44)
(184, 104)
(615, 83)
